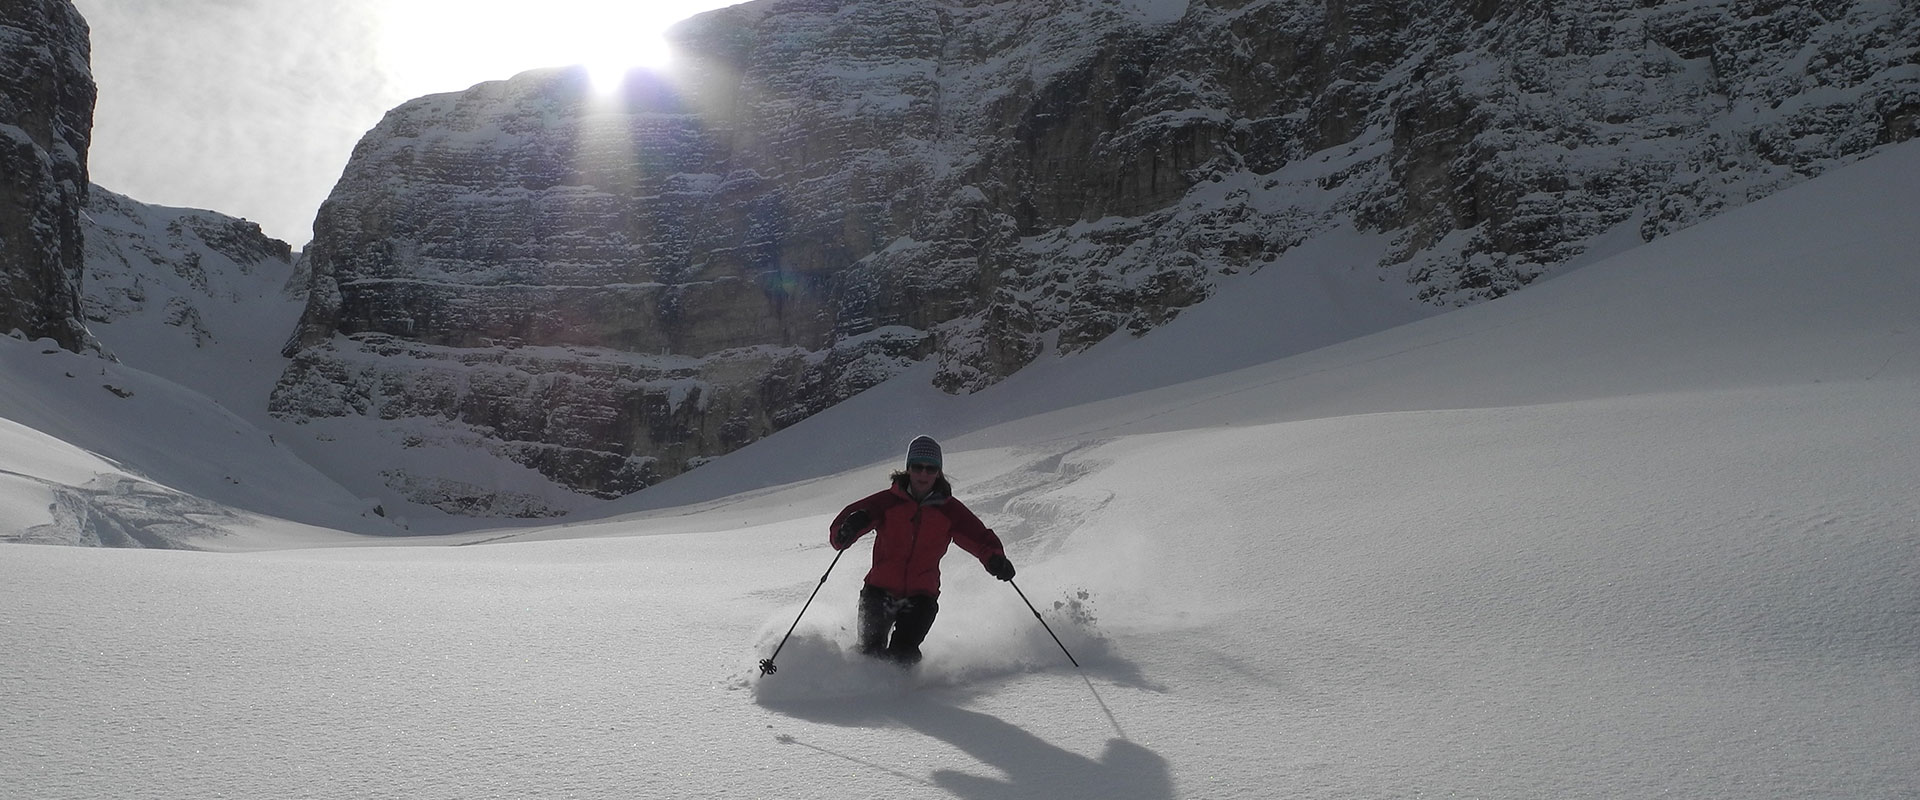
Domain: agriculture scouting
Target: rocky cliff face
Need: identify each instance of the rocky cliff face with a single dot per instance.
(611, 290)
(46, 122)
(181, 292)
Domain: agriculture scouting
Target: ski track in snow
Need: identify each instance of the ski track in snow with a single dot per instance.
(1645, 529)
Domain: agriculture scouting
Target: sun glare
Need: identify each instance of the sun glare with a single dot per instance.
(430, 46)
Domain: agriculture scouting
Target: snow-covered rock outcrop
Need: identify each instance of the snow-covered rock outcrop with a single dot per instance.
(611, 290)
(191, 295)
(158, 437)
(145, 260)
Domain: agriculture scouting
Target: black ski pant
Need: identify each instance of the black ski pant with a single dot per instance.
(908, 618)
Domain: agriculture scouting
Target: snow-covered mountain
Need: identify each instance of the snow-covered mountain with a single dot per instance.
(161, 432)
(191, 295)
(605, 292)
(1645, 528)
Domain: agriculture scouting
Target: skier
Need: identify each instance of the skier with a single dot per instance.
(913, 522)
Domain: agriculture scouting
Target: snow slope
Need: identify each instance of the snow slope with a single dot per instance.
(1647, 528)
(96, 446)
(173, 431)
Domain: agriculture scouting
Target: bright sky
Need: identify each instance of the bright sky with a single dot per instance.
(441, 45)
(251, 107)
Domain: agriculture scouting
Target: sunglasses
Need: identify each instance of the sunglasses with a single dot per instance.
(922, 468)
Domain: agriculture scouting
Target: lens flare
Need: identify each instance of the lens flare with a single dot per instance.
(429, 46)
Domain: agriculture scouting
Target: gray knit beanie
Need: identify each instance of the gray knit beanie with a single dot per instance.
(923, 450)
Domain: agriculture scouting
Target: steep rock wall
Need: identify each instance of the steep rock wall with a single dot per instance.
(611, 290)
(46, 123)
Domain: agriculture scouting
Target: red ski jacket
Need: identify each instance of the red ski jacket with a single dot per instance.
(911, 537)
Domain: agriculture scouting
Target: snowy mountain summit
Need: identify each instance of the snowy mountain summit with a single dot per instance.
(600, 293)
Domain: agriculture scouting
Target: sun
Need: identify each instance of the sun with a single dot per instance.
(430, 46)
(628, 35)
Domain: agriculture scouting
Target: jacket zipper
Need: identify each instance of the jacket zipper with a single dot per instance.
(906, 566)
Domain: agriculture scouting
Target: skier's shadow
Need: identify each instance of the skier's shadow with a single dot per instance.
(1033, 766)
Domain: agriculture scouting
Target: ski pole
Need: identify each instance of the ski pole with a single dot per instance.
(1043, 623)
(766, 664)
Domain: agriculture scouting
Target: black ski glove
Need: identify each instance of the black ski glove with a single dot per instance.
(850, 529)
(999, 567)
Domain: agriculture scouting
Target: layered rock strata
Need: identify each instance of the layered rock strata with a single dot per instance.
(46, 123)
(611, 289)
